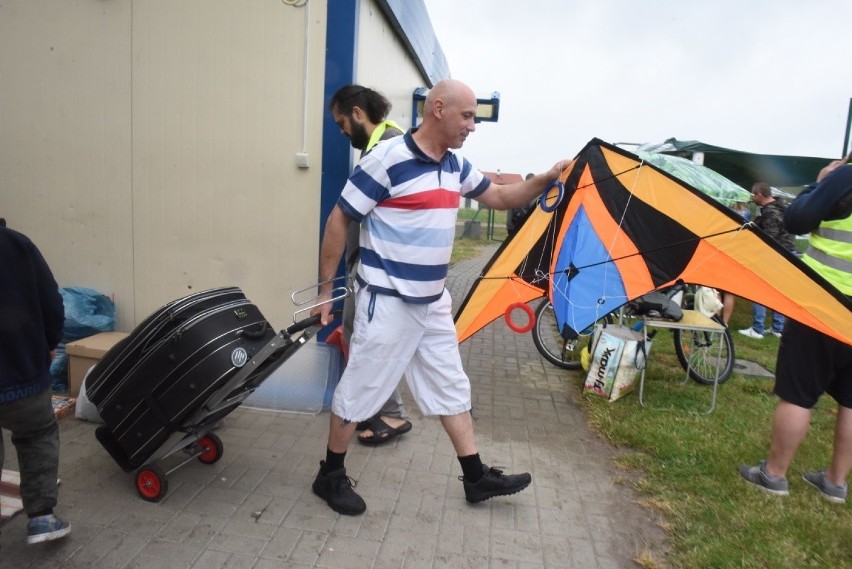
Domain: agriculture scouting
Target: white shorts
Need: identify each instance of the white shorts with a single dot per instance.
(393, 338)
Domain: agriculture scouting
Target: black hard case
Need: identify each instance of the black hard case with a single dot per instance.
(175, 372)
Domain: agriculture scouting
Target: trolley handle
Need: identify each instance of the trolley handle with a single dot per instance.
(309, 322)
(338, 293)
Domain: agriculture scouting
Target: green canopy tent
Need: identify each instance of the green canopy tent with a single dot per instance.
(745, 168)
(700, 177)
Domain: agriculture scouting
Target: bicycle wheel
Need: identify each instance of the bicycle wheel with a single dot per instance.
(698, 353)
(549, 342)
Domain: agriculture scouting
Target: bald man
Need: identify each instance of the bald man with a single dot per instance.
(405, 194)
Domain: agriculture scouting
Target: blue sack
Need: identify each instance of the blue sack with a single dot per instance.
(87, 312)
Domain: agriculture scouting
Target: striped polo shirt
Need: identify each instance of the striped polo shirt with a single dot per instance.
(407, 205)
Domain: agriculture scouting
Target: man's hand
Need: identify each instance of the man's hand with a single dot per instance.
(324, 309)
(832, 166)
(555, 172)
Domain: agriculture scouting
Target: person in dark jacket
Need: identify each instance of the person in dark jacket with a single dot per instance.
(771, 221)
(32, 319)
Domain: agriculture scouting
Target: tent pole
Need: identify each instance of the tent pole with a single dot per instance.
(846, 148)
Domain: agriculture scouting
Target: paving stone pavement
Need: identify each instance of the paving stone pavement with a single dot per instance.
(255, 509)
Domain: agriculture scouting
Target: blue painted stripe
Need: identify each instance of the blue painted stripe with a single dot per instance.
(402, 270)
(414, 236)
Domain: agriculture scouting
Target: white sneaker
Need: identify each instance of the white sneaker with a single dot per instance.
(774, 333)
(751, 333)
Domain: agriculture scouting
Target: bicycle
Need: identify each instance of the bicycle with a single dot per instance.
(697, 352)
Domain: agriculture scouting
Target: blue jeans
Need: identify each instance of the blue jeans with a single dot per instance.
(759, 315)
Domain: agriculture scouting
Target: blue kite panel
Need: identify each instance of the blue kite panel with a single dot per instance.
(582, 264)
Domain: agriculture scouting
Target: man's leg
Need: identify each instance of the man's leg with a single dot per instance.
(758, 312)
(841, 460)
(331, 483)
(789, 426)
(339, 434)
(35, 435)
(393, 414)
(394, 408)
(460, 430)
(728, 301)
(777, 322)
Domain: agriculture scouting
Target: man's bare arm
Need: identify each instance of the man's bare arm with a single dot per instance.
(507, 196)
(331, 251)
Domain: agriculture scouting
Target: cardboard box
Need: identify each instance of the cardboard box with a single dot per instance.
(83, 354)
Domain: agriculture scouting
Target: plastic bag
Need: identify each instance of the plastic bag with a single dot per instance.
(707, 301)
(87, 312)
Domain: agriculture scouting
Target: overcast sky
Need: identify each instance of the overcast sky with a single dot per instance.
(766, 76)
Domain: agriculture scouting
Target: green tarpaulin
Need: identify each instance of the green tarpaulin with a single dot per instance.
(745, 168)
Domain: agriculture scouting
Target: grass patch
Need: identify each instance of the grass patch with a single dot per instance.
(493, 223)
(688, 461)
(689, 465)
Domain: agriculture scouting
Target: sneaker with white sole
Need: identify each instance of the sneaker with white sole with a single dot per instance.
(752, 333)
(46, 528)
(757, 475)
(774, 333)
(830, 491)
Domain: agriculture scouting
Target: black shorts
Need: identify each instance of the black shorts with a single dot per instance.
(810, 364)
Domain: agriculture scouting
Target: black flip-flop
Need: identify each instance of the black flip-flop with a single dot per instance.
(364, 425)
(382, 432)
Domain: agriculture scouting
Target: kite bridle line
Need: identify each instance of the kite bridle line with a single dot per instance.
(538, 276)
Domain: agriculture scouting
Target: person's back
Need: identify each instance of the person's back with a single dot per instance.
(31, 325)
(31, 317)
(771, 218)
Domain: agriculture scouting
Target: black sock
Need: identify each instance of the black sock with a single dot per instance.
(46, 512)
(471, 467)
(333, 461)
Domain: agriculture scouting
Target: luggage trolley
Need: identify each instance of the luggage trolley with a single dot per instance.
(162, 390)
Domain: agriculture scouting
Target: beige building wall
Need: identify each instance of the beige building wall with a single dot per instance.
(383, 63)
(149, 148)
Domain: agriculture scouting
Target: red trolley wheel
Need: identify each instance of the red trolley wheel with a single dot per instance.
(151, 483)
(211, 448)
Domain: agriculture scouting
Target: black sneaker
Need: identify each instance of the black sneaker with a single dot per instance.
(494, 483)
(336, 489)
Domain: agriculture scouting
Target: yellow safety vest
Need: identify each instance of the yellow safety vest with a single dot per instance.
(379, 131)
(830, 252)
